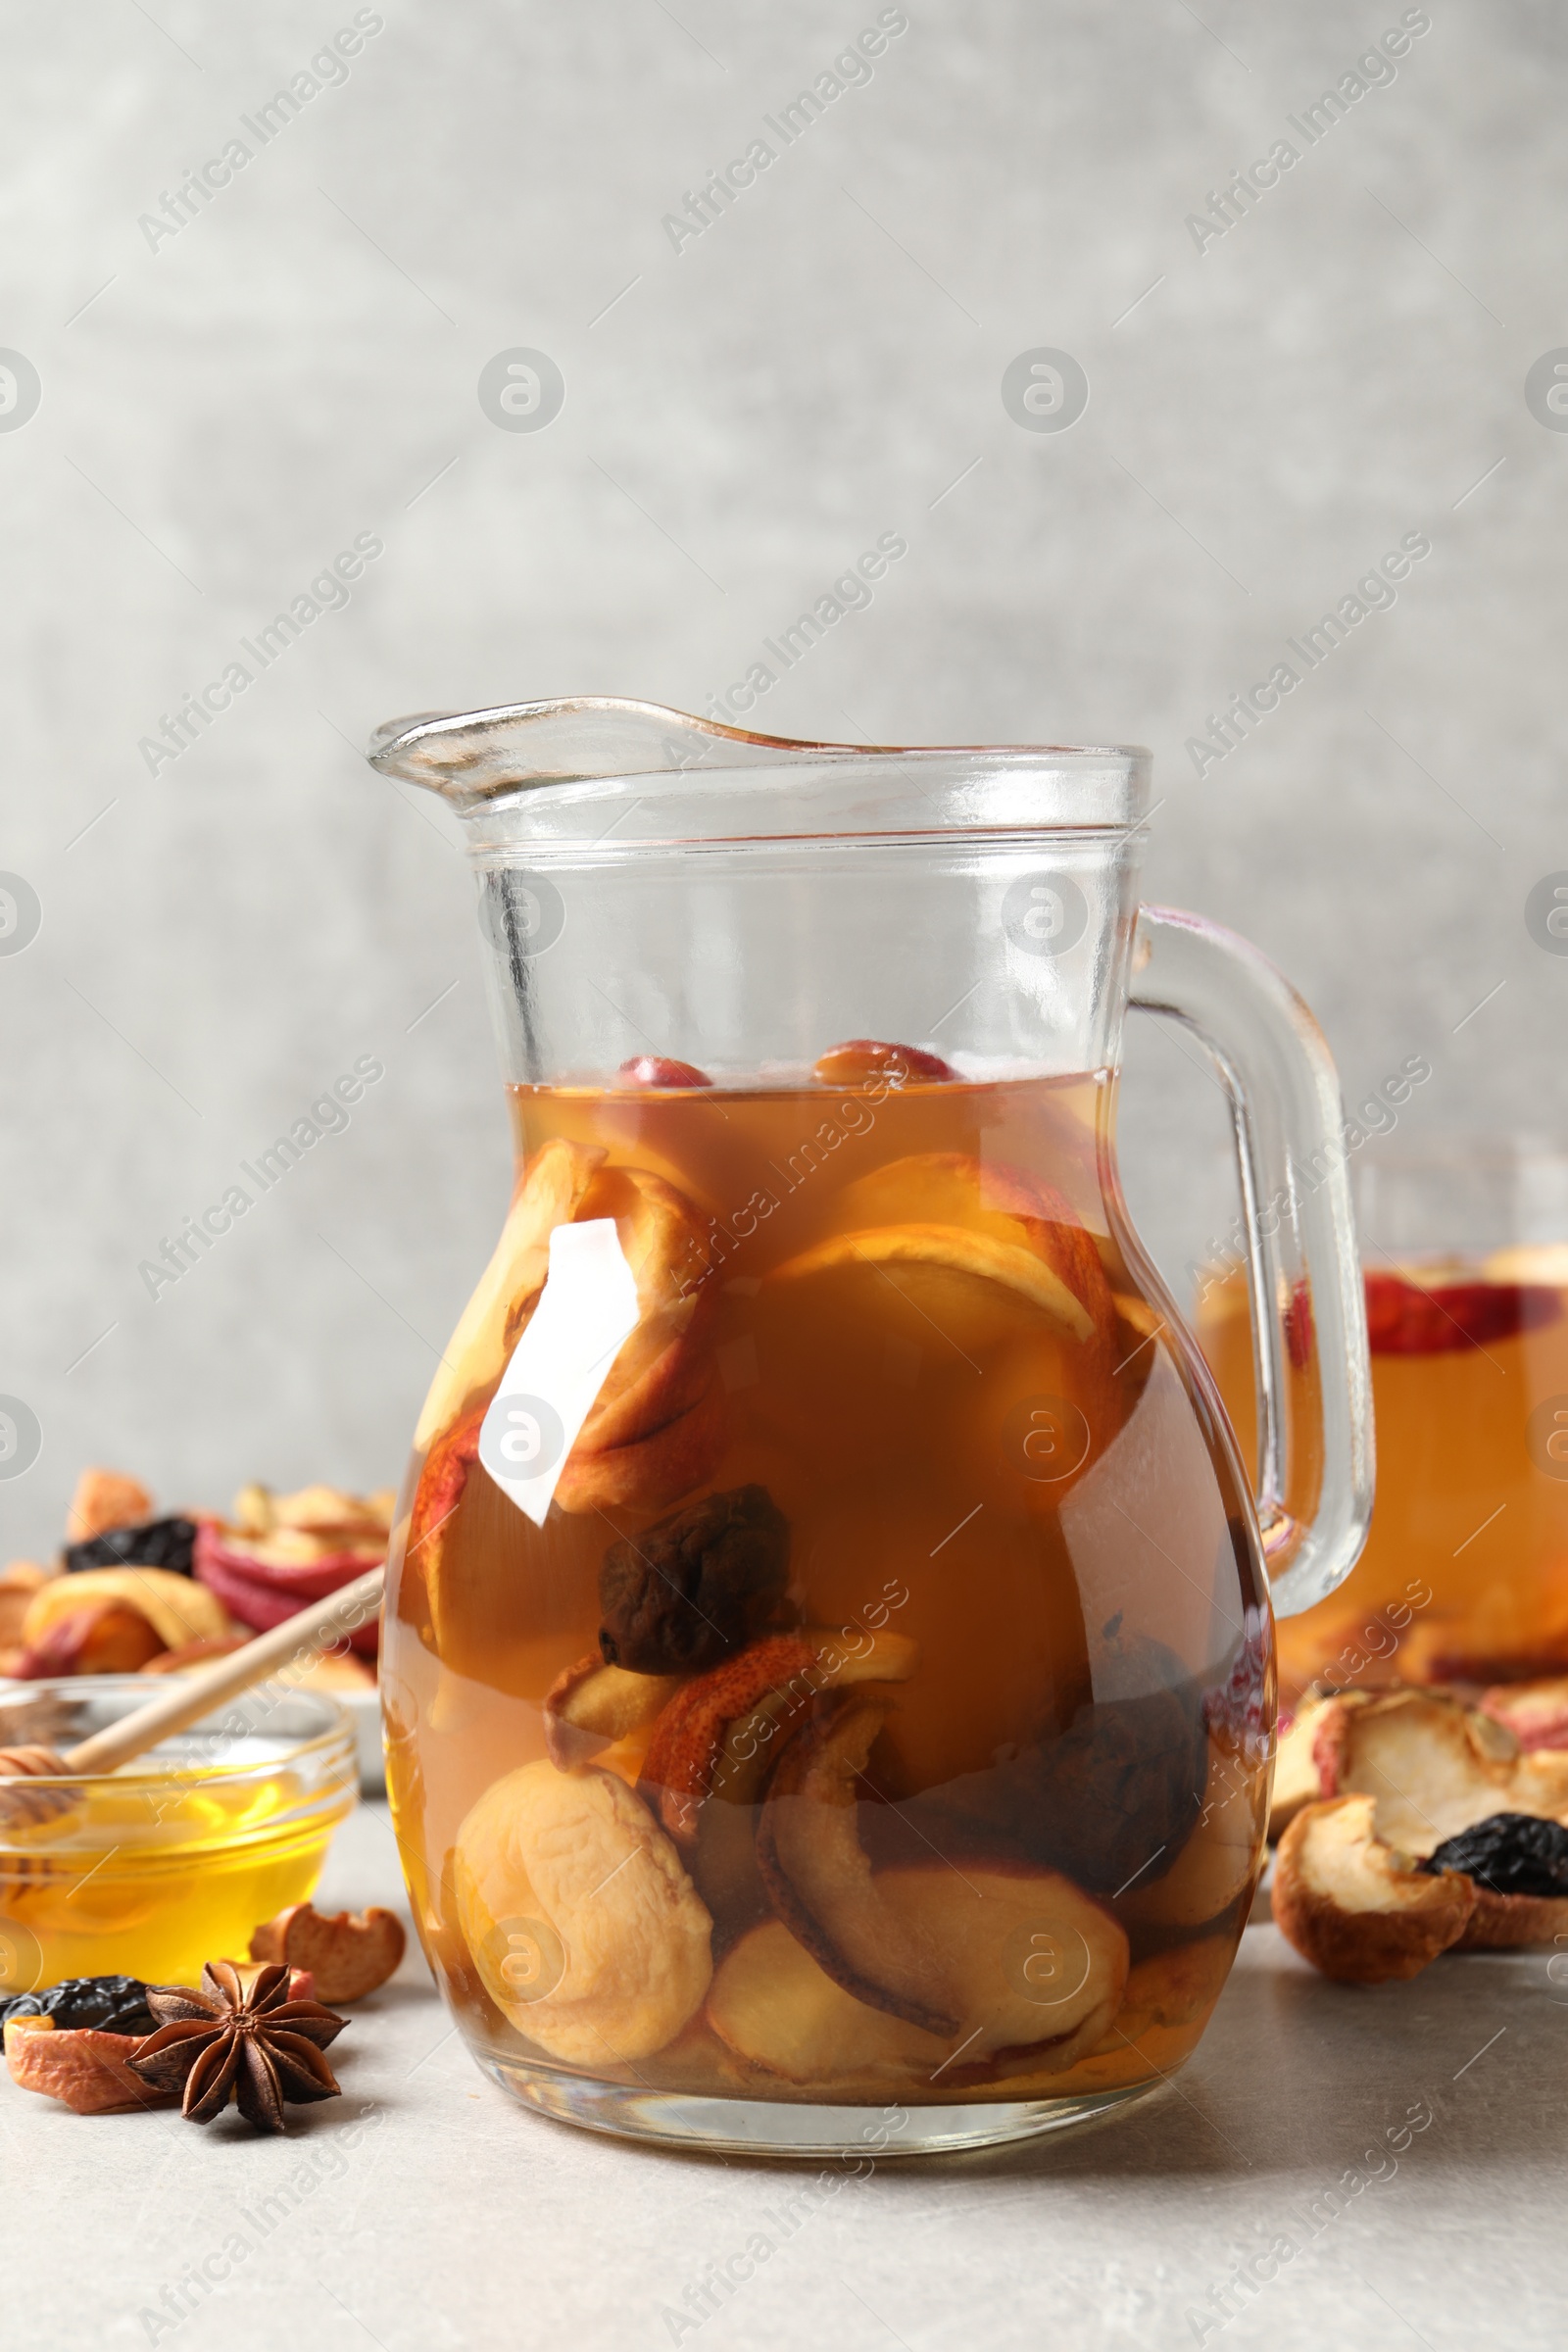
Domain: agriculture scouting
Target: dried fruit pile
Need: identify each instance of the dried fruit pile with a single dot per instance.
(1415, 1823)
(135, 1593)
(252, 2034)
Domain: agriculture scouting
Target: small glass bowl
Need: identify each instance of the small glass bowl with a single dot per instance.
(175, 1859)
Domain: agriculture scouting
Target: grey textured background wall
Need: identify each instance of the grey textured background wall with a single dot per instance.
(224, 409)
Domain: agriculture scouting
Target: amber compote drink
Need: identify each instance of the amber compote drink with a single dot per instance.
(1465, 1572)
(822, 1744)
(828, 1665)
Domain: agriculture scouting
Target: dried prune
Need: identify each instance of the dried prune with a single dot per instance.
(686, 1591)
(112, 2005)
(1512, 1853)
(159, 1544)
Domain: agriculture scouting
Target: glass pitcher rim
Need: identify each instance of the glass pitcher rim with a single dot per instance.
(460, 754)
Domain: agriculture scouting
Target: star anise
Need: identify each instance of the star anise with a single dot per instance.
(240, 2037)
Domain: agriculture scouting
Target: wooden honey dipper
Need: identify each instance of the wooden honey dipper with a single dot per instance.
(187, 1698)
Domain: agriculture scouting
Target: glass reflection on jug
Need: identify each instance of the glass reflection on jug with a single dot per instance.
(830, 1660)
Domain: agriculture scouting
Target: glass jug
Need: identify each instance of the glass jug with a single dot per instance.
(828, 1664)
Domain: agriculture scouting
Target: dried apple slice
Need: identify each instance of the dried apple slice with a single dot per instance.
(953, 1247)
(773, 2006)
(1008, 1204)
(1028, 1965)
(652, 1470)
(1298, 1780)
(1353, 1906)
(586, 1931)
(779, 1675)
(819, 1875)
(657, 1373)
(1221, 1860)
(1536, 1712)
(553, 1183)
(1435, 1766)
(592, 1705)
(1174, 1988)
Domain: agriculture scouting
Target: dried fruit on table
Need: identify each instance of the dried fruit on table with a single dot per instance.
(1356, 1906)
(107, 1637)
(19, 1582)
(1298, 1780)
(174, 1608)
(686, 1592)
(860, 1059)
(150, 1544)
(118, 2004)
(242, 2037)
(348, 1954)
(1029, 1968)
(1435, 1766)
(1519, 1866)
(1537, 1712)
(586, 1931)
(780, 1675)
(87, 2068)
(105, 1498)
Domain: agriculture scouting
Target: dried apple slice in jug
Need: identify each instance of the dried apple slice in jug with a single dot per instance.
(587, 1934)
(976, 1250)
(552, 1184)
(1028, 1965)
(819, 1875)
(775, 1679)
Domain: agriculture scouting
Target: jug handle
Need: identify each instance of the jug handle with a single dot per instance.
(1303, 1269)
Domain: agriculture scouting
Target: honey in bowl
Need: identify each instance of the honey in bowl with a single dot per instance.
(881, 1708)
(150, 1870)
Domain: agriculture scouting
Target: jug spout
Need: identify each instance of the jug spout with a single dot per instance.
(474, 756)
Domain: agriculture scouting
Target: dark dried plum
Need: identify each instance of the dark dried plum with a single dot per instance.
(1512, 1853)
(111, 2004)
(159, 1544)
(699, 1585)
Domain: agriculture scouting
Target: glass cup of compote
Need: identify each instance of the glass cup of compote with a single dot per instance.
(1465, 1572)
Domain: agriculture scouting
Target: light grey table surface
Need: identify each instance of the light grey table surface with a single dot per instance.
(429, 2211)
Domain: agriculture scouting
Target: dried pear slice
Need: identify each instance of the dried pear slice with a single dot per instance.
(586, 1931)
(552, 1184)
(954, 1247)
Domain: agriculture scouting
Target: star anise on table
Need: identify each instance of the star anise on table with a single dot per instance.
(240, 2037)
